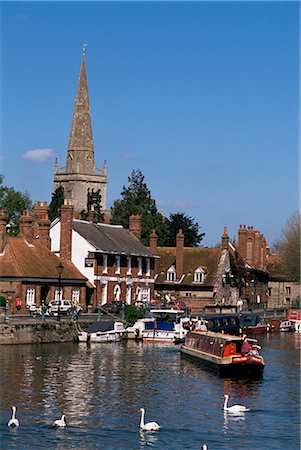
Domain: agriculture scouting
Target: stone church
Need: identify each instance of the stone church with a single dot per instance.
(79, 177)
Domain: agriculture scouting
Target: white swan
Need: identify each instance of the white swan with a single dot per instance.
(204, 447)
(234, 408)
(60, 422)
(150, 426)
(13, 421)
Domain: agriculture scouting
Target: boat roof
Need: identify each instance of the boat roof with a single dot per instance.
(168, 311)
(102, 326)
(224, 336)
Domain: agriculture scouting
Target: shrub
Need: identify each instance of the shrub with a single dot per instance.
(2, 301)
(132, 313)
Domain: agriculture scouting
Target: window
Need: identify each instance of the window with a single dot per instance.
(117, 261)
(171, 274)
(270, 292)
(287, 291)
(58, 294)
(30, 296)
(105, 264)
(198, 276)
(147, 267)
(139, 266)
(75, 295)
(128, 295)
(117, 293)
(188, 294)
(129, 265)
(104, 292)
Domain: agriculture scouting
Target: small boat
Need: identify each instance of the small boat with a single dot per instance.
(287, 325)
(165, 326)
(222, 352)
(251, 323)
(103, 331)
(292, 322)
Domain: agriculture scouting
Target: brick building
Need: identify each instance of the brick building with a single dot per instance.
(79, 176)
(118, 266)
(198, 276)
(28, 268)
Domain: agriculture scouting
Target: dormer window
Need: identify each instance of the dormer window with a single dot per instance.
(199, 275)
(171, 274)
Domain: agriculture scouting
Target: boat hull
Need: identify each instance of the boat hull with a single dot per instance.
(247, 367)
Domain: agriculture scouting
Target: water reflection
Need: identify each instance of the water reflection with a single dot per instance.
(148, 438)
(100, 388)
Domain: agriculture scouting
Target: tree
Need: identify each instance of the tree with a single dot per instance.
(14, 204)
(94, 205)
(136, 199)
(57, 200)
(289, 247)
(190, 228)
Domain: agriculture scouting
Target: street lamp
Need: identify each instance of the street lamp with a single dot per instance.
(6, 310)
(59, 269)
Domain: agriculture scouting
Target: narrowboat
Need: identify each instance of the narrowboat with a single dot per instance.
(222, 352)
(251, 323)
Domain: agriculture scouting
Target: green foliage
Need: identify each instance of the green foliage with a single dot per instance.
(190, 228)
(296, 303)
(2, 301)
(93, 204)
(289, 247)
(14, 204)
(132, 314)
(136, 199)
(57, 200)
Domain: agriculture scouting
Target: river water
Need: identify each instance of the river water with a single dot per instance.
(100, 388)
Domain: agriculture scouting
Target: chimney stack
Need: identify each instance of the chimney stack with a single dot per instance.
(44, 231)
(225, 239)
(180, 254)
(26, 229)
(153, 240)
(3, 235)
(135, 225)
(66, 229)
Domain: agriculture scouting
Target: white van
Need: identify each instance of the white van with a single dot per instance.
(65, 307)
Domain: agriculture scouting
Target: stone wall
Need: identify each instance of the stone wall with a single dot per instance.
(33, 333)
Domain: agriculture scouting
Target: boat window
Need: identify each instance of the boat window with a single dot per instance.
(225, 321)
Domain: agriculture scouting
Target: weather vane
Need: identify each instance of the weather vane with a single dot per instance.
(84, 48)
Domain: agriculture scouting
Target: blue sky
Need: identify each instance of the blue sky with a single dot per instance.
(202, 97)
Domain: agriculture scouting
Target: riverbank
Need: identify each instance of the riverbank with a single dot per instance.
(35, 333)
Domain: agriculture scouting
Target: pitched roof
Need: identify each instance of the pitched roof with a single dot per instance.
(22, 260)
(110, 239)
(205, 258)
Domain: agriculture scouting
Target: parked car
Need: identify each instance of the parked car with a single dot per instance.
(112, 308)
(65, 307)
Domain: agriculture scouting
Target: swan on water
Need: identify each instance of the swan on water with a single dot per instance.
(234, 408)
(150, 426)
(13, 421)
(204, 447)
(60, 422)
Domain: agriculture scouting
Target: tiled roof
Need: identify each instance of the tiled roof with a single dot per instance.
(275, 266)
(110, 238)
(206, 258)
(22, 260)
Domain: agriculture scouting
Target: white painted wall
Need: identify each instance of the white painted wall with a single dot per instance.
(80, 249)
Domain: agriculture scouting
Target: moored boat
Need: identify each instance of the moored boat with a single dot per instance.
(165, 326)
(223, 353)
(103, 331)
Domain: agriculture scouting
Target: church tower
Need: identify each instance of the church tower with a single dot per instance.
(79, 176)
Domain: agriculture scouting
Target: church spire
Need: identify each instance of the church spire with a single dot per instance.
(80, 155)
